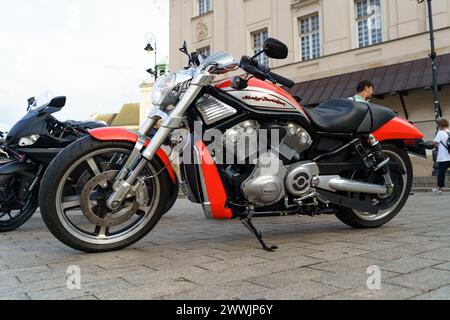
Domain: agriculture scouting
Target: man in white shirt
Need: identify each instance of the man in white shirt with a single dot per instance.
(443, 158)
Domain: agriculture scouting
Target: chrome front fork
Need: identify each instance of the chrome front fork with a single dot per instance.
(138, 159)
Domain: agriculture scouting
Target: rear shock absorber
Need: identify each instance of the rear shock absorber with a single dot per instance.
(381, 162)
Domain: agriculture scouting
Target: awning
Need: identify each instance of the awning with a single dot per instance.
(393, 78)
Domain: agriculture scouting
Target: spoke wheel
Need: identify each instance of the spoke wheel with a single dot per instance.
(388, 205)
(98, 224)
(79, 182)
(11, 219)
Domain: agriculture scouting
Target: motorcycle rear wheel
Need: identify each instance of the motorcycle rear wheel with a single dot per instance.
(57, 198)
(363, 220)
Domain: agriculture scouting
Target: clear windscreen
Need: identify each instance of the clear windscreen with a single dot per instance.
(42, 101)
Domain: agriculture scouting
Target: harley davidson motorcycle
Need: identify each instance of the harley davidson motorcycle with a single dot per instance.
(25, 154)
(109, 189)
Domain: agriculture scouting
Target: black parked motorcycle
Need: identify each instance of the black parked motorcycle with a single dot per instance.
(25, 153)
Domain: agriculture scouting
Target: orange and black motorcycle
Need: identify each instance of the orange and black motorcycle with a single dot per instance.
(247, 149)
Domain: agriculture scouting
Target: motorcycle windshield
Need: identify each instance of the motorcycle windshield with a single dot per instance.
(42, 101)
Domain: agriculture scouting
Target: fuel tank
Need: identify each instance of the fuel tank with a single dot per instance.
(263, 95)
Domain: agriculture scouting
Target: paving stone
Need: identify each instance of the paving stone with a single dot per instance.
(438, 294)
(305, 290)
(443, 266)
(391, 254)
(337, 254)
(442, 254)
(387, 292)
(62, 293)
(14, 296)
(147, 292)
(408, 264)
(351, 263)
(188, 257)
(284, 278)
(425, 279)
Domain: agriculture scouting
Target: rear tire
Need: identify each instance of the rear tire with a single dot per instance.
(359, 220)
(61, 229)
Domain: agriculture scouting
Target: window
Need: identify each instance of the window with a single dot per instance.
(204, 6)
(368, 22)
(258, 39)
(309, 37)
(205, 51)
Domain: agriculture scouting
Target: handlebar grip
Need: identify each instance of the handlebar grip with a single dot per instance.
(282, 80)
(256, 72)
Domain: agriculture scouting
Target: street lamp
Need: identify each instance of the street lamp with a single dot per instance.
(433, 55)
(151, 46)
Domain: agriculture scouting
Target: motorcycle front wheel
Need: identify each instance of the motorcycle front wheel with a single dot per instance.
(76, 186)
(389, 206)
(11, 220)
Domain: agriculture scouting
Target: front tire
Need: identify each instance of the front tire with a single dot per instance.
(12, 220)
(364, 220)
(78, 168)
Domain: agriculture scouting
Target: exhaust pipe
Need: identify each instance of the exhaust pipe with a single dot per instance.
(336, 183)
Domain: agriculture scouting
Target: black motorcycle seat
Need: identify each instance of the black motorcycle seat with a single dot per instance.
(347, 116)
(88, 124)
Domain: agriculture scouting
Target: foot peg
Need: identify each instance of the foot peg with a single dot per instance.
(249, 225)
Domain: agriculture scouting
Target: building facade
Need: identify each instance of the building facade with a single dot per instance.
(330, 42)
(333, 44)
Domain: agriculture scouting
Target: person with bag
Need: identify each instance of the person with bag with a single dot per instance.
(442, 142)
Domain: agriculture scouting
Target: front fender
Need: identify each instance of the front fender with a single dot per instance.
(121, 134)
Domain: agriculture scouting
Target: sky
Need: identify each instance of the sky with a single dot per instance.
(91, 51)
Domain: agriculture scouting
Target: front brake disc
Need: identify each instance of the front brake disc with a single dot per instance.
(104, 216)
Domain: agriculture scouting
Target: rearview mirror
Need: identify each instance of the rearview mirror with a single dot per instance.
(31, 101)
(57, 102)
(275, 49)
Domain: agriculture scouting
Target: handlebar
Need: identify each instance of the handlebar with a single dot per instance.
(263, 73)
(281, 80)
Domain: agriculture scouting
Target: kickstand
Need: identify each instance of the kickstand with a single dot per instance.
(247, 222)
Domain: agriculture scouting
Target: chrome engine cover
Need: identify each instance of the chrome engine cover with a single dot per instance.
(302, 178)
(265, 186)
(296, 141)
(242, 140)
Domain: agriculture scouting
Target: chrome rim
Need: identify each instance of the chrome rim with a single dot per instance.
(69, 199)
(396, 159)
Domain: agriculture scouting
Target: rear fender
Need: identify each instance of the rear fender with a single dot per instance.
(398, 129)
(402, 133)
(121, 134)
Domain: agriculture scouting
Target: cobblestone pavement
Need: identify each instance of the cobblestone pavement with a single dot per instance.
(188, 257)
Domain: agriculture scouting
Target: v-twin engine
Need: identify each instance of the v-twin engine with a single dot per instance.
(271, 180)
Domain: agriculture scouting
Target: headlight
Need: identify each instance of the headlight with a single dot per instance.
(28, 141)
(168, 88)
(163, 94)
